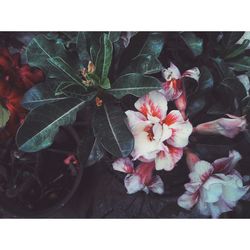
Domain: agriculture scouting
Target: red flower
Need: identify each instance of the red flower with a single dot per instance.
(15, 79)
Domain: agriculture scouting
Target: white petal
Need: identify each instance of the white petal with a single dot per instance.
(153, 105)
(135, 118)
(171, 72)
(202, 170)
(123, 165)
(187, 200)
(211, 190)
(133, 184)
(157, 185)
(192, 73)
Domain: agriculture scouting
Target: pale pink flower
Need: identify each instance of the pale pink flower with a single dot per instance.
(213, 188)
(158, 136)
(139, 178)
(229, 127)
(173, 86)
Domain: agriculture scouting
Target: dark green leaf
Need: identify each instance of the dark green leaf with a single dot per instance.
(114, 36)
(144, 64)
(66, 71)
(40, 49)
(206, 80)
(40, 94)
(237, 49)
(153, 44)
(96, 153)
(135, 84)
(82, 43)
(104, 58)
(4, 116)
(111, 130)
(42, 123)
(195, 105)
(230, 38)
(240, 64)
(194, 43)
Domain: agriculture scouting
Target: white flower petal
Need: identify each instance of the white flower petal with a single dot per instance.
(124, 165)
(192, 73)
(133, 184)
(187, 200)
(202, 170)
(157, 185)
(153, 105)
(171, 73)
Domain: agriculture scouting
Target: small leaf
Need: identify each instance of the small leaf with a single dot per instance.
(104, 58)
(194, 43)
(42, 123)
(112, 132)
(134, 84)
(41, 94)
(153, 44)
(144, 64)
(240, 64)
(4, 116)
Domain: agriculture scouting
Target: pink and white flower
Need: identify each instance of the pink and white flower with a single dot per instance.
(139, 178)
(213, 188)
(158, 136)
(229, 127)
(173, 86)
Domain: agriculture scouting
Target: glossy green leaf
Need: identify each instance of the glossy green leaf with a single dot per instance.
(240, 64)
(65, 69)
(135, 84)
(104, 58)
(40, 49)
(96, 153)
(82, 46)
(230, 38)
(41, 94)
(194, 43)
(144, 64)
(4, 116)
(237, 49)
(42, 123)
(154, 44)
(111, 131)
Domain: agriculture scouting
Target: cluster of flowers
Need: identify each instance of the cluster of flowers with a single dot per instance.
(15, 80)
(161, 140)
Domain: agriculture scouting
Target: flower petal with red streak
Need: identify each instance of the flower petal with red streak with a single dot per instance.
(153, 105)
(124, 165)
(157, 185)
(188, 200)
(192, 73)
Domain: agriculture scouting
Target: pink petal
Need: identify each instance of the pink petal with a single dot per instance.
(226, 164)
(124, 165)
(192, 73)
(157, 185)
(172, 89)
(188, 200)
(154, 106)
(135, 118)
(191, 159)
(145, 171)
(168, 158)
(202, 170)
(173, 117)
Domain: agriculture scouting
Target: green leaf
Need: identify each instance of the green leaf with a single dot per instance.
(42, 123)
(82, 43)
(135, 84)
(144, 64)
(73, 90)
(40, 49)
(4, 116)
(237, 49)
(194, 43)
(206, 80)
(111, 131)
(114, 36)
(96, 153)
(65, 69)
(230, 38)
(41, 94)
(104, 58)
(240, 64)
(153, 44)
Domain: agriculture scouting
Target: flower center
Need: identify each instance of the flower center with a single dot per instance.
(149, 130)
